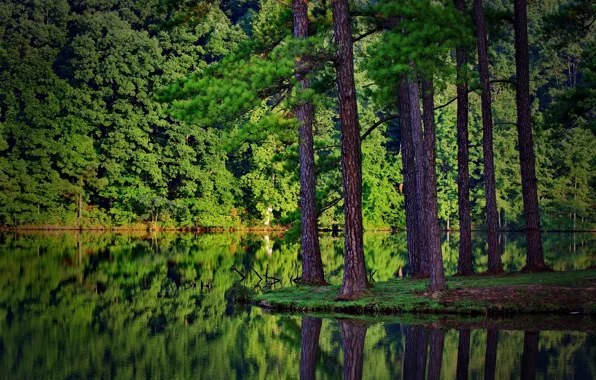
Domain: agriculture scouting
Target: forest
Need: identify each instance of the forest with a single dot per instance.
(419, 115)
(183, 113)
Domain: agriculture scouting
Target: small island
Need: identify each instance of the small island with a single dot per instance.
(571, 292)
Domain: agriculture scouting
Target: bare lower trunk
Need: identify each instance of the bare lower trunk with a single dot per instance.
(490, 366)
(353, 334)
(409, 174)
(464, 264)
(312, 265)
(530, 356)
(421, 183)
(535, 256)
(494, 258)
(311, 329)
(437, 342)
(354, 283)
(463, 354)
(431, 208)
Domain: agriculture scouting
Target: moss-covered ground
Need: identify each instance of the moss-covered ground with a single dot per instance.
(555, 292)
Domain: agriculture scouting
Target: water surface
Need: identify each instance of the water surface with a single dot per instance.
(100, 305)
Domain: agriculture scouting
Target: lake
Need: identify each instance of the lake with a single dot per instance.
(160, 305)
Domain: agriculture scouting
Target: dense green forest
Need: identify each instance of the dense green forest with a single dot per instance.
(94, 130)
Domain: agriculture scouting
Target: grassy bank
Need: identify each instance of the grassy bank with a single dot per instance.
(557, 292)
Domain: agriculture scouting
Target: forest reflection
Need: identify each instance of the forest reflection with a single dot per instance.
(137, 305)
(422, 357)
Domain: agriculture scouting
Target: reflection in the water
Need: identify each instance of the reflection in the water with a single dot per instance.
(530, 356)
(463, 354)
(311, 329)
(490, 360)
(415, 354)
(437, 342)
(353, 333)
(75, 305)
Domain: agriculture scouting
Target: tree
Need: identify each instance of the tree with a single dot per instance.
(312, 266)
(354, 283)
(463, 354)
(464, 262)
(534, 254)
(490, 361)
(492, 215)
(437, 343)
(433, 232)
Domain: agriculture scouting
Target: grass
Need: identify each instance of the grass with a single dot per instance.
(556, 292)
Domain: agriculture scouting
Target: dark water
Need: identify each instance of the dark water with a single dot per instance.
(98, 305)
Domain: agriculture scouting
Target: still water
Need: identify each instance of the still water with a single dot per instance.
(137, 305)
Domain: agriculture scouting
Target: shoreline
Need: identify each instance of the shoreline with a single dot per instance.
(555, 293)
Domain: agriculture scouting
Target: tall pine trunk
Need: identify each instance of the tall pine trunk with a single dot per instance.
(409, 174)
(431, 208)
(464, 263)
(311, 329)
(421, 191)
(492, 215)
(312, 265)
(354, 283)
(535, 255)
(353, 334)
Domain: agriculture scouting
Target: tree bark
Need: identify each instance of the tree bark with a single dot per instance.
(431, 208)
(492, 216)
(437, 342)
(409, 174)
(490, 361)
(534, 256)
(463, 354)
(353, 334)
(312, 265)
(530, 356)
(311, 329)
(464, 264)
(421, 191)
(415, 353)
(354, 283)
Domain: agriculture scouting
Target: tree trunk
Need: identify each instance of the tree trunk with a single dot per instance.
(311, 329)
(354, 283)
(312, 265)
(463, 354)
(535, 255)
(421, 193)
(431, 208)
(530, 356)
(464, 263)
(437, 342)
(409, 173)
(490, 361)
(353, 334)
(492, 217)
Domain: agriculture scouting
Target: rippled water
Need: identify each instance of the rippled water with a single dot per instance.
(99, 305)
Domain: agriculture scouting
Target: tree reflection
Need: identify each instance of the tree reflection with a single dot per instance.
(437, 341)
(463, 354)
(415, 355)
(530, 356)
(490, 366)
(352, 334)
(311, 329)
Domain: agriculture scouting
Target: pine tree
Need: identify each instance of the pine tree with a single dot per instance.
(354, 283)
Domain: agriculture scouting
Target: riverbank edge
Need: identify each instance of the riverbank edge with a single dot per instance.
(572, 292)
